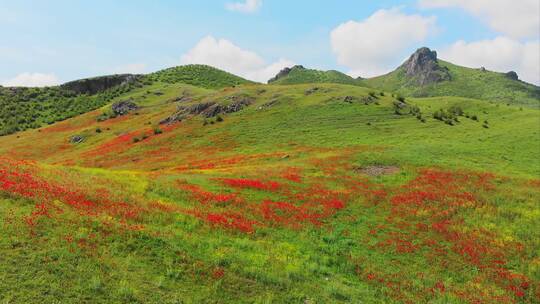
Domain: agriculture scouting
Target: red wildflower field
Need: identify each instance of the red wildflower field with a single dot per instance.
(426, 218)
(422, 221)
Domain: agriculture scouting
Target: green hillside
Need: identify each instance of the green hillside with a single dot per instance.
(465, 82)
(28, 108)
(461, 81)
(311, 193)
(197, 75)
(300, 75)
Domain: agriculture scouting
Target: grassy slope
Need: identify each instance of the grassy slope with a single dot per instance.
(168, 244)
(28, 108)
(197, 75)
(302, 76)
(466, 82)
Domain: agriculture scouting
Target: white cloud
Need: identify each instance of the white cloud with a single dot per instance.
(225, 55)
(375, 45)
(249, 6)
(32, 80)
(517, 18)
(501, 54)
(133, 68)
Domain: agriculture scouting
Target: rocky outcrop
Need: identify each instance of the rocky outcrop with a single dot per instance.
(209, 109)
(311, 91)
(96, 85)
(76, 139)
(424, 68)
(285, 72)
(512, 75)
(123, 107)
(237, 104)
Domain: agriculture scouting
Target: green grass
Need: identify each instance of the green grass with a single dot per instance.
(197, 75)
(29, 108)
(159, 246)
(466, 82)
(299, 75)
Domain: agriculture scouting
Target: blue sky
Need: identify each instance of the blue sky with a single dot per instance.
(48, 42)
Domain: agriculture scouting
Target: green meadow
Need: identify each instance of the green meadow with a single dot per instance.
(307, 193)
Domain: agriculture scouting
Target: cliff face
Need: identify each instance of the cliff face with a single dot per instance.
(96, 85)
(424, 67)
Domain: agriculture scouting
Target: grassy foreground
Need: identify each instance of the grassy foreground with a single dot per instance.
(312, 194)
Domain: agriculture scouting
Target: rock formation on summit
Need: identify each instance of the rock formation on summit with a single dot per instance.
(283, 73)
(512, 75)
(424, 67)
(96, 85)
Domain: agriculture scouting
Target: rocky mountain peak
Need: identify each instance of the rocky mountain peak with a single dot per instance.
(424, 67)
(286, 71)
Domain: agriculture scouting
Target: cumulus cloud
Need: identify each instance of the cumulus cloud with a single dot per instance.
(225, 55)
(133, 68)
(32, 80)
(248, 6)
(375, 45)
(501, 54)
(517, 19)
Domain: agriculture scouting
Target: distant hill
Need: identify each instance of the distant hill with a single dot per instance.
(24, 108)
(198, 75)
(100, 84)
(298, 75)
(423, 75)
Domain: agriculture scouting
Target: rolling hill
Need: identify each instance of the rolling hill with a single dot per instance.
(29, 108)
(423, 75)
(205, 188)
(197, 75)
(298, 75)
(455, 81)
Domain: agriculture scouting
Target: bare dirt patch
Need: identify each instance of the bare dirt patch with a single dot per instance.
(377, 170)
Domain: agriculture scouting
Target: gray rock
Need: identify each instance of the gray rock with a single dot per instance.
(349, 99)
(209, 109)
(285, 72)
(424, 67)
(199, 108)
(96, 85)
(311, 91)
(512, 75)
(76, 139)
(268, 104)
(124, 107)
(213, 111)
(183, 98)
(238, 104)
(176, 117)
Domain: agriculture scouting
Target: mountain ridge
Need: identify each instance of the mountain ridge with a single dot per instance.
(422, 75)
